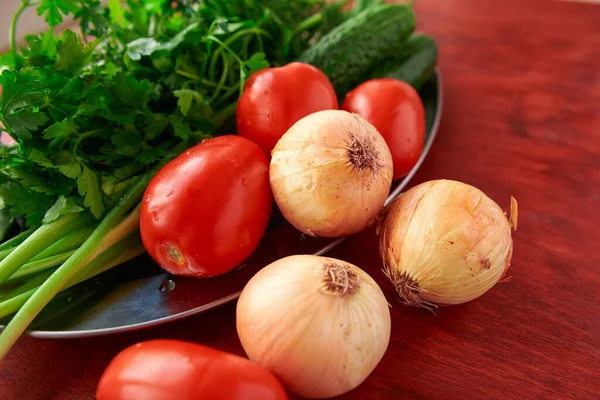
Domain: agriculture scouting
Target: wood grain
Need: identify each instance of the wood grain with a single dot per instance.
(522, 89)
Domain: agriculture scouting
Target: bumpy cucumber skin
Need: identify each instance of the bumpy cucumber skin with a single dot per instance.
(414, 63)
(360, 43)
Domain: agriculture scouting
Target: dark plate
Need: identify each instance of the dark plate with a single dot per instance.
(140, 294)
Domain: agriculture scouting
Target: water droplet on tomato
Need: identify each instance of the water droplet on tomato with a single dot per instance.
(155, 215)
(167, 286)
(170, 192)
(244, 181)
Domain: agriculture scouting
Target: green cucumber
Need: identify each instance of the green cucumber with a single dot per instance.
(360, 43)
(414, 63)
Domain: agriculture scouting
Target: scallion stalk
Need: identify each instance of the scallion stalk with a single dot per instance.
(68, 242)
(43, 237)
(15, 241)
(43, 264)
(67, 271)
(119, 253)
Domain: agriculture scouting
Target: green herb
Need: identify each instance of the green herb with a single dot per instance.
(95, 117)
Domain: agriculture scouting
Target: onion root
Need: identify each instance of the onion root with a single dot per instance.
(407, 288)
(339, 280)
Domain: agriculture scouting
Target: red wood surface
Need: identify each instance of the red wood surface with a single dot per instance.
(522, 94)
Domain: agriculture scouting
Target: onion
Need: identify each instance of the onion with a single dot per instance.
(445, 242)
(331, 173)
(321, 325)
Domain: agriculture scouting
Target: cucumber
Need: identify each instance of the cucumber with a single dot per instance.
(357, 45)
(414, 63)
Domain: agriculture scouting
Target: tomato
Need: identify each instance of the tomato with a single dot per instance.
(207, 210)
(273, 100)
(174, 369)
(396, 110)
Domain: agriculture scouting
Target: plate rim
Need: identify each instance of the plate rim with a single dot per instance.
(227, 299)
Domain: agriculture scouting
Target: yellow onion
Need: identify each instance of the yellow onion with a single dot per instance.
(445, 242)
(321, 325)
(331, 173)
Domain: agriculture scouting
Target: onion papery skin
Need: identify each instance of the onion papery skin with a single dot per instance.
(444, 242)
(331, 173)
(319, 344)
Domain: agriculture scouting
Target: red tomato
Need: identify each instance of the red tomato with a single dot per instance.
(396, 110)
(275, 98)
(173, 369)
(207, 210)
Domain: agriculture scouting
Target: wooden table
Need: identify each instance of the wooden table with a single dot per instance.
(521, 118)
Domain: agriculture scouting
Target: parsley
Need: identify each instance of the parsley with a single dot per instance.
(53, 10)
(62, 206)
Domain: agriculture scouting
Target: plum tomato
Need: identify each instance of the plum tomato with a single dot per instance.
(274, 99)
(175, 369)
(206, 211)
(396, 110)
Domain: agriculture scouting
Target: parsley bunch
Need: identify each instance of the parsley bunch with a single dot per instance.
(96, 114)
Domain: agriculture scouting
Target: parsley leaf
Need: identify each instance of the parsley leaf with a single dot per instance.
(31, 180)
(9, 61)
(25, 202)
(36, 156)
(62, 129)
(181, 129)
(62, 206)
(130, 92)
(155, 6)
(155, 125)
(41, 50)
(116, 11)
(150, 154)
(24, 121)
(53, 10)
(68, 165)
(87, 185)
(71, 54)
(126, 142)
(20, 89)
(146, 46)
(185, 99)
(94, 18)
